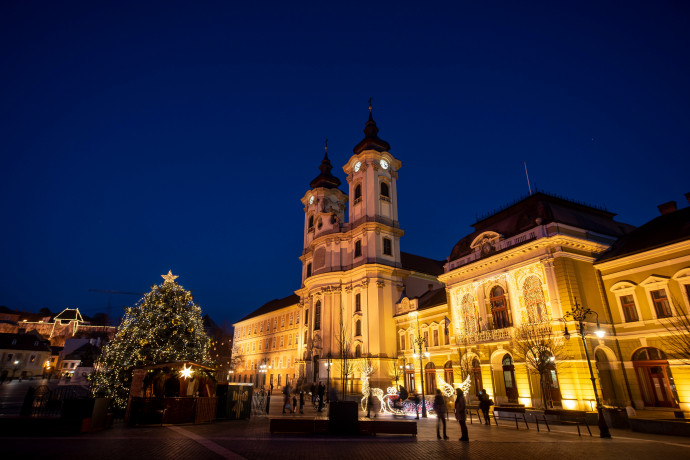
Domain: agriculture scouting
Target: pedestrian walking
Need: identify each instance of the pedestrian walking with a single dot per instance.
(322, 391)
(485, 404)
(294, 403)
(313, 394)
(301, 402)
(416, 404)
(461, 414)
(440, 409)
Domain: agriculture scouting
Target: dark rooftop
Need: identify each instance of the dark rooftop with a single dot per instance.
(273, 305)
(432, 298)
(664, 230)
(421, 264)
(544, 208)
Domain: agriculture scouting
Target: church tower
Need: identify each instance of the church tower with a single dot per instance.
(372, 174)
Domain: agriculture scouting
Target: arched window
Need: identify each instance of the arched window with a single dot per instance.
(385, 190)
(358, 302)
(430, 378)
(317, 315)
(358, 328)
(468, 314)
(499, 308)
(448, 372)
(358, 193)
(477, 376)
(534, 300)
(358, 351)
(655, 378)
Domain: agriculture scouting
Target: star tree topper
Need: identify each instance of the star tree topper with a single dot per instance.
(169, 278)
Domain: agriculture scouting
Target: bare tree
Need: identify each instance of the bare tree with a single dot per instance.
(678, 338)
(344, 343)
(397, 365)
(541, 350)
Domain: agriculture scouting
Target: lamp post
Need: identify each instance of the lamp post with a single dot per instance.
(579, 314)
(328, 365)
(419, 342)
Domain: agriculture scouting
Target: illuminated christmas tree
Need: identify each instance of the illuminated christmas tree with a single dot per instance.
(165, 326)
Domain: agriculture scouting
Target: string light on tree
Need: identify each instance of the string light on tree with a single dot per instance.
(165, 326)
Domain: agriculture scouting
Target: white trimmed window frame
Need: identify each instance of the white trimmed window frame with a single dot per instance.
(682, 277)
(657, 283)
(623, 288)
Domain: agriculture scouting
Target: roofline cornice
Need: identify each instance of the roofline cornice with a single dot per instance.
(644, 255)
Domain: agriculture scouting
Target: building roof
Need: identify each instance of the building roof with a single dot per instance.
(371, 139)
(87, 354)
(273, 305)
(540, 209)
(69, 314)
(23, 342)
(664, 230)
(432, 298)
(325, 179)
(421, 264)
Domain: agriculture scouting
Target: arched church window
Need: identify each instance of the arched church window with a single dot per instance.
(358, 328)
(499, 308)
(385, 192)
(358, 193)
(534, 300)
(317, 316)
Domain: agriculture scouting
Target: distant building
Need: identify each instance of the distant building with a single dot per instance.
(23, 355)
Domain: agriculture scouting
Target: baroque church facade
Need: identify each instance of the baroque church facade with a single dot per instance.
(423, 323)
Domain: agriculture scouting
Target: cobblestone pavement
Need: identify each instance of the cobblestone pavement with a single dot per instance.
(251, 440)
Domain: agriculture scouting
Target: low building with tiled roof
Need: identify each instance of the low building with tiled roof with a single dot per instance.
(23, 355)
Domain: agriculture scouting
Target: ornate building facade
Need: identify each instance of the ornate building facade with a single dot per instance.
(363, 301)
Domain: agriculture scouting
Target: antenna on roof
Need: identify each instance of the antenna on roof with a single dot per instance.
(527, 175)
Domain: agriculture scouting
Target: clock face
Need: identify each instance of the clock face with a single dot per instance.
(384, 163)
(357, 166)
(311, 200)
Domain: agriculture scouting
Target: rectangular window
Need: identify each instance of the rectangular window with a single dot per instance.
(629, 310)
(290, 339)
(297, 318)
(426, 338)
(253, 346)
(306, 317)
(402, 342)
(387, 247)
(274, 343)
(358, 249)
(446, 336)
(275, 323)
(268, 343)
(308, 270)
(255, 329)
(259, 345)
(290, 319)
(661, 305)
(282, 341)
(435, 337)
(261, 327)
(358, 302)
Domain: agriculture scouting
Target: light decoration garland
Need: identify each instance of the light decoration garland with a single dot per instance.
(377, 392)
(165, 326)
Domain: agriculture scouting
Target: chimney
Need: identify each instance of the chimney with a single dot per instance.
(687, 197)
(667, 208)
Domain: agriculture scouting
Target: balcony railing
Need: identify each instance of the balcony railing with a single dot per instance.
(492, 335)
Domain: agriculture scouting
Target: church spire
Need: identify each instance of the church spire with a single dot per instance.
(325, 179)
(371, 139)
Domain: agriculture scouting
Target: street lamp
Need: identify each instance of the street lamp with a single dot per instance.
(419, 342)
(328, 365)
(579, 314)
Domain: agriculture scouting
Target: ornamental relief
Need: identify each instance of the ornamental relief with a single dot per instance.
(533, 296)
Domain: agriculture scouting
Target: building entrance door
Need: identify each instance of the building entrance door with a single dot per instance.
(654, 377)
(509, 379)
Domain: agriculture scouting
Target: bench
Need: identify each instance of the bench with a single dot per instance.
(515, 413)
(564, 417)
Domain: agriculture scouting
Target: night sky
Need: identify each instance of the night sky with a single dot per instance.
(147, 136)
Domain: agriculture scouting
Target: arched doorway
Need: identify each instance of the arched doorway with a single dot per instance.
(509, 378)
(608, 389)
(477, 376)
(430, 378)
(448, 373)
(654, 376)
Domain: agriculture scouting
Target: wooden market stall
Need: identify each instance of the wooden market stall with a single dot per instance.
(172, 393)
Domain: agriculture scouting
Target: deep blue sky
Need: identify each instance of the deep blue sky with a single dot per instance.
(138, 138)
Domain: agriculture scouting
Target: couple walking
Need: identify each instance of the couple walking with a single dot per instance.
(460, 414)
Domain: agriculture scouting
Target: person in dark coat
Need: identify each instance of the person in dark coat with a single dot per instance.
(440, 409)
(301, 402)
(321, 391)
(461, 414)
(416, 400)
(485, 404)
